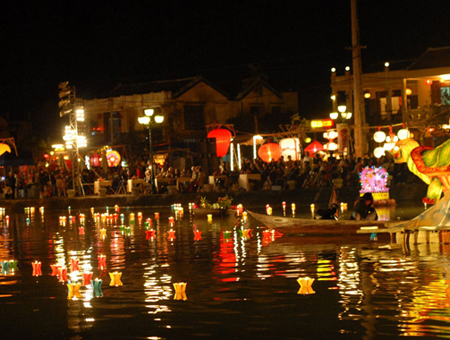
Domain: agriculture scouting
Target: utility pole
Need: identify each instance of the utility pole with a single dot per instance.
(358, 109)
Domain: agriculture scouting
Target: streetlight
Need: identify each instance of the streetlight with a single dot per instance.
(342, 112)
(342, 116)
(147, 120)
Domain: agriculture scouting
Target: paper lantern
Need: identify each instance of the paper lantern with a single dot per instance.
(223, 140)
(379, 136)
(113, 158)
(269, 152)
(403, 134)
(314, 147)
(290, 147)
(378, 152)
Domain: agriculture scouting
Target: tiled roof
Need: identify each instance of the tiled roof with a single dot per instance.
(432, 58)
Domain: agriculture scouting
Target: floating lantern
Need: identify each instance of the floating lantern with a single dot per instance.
(103, 232)
(209, 216)
(239, 210)
(55, 269)
(313, 209)
(245, 233)
(74, 264)
(74, 290)
(13, 265)
(269, 211)
(226, 235)
(171, 220)
(293, 209)
(305, 285)
(116, 208)
(81, 230)
(171, 234)
(97, 286)
(87, 278)
(223, 140)
(284, 208)
(150, 234)
(36, 268)
(102, 261)
(180, 291)
(244, 216)
(5, 268)
(63, 274)
(270, 152)
(115, 279)
(92, 211)
(157, 216)
(197, 235)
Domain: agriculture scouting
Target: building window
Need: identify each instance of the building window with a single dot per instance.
(194, 117)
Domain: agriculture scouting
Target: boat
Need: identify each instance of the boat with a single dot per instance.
(288, 225)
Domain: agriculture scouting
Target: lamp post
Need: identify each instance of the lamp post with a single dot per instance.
(147, 120)
(342, 116)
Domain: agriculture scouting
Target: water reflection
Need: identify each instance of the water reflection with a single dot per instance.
(235, 270)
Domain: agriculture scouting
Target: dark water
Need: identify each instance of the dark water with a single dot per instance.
(238, 287)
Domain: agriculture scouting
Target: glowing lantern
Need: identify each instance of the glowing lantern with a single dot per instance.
(403, 134)
(378, 152)
(223, 140)
(314, 147)
(290, 147)
(269, 152)
(379, 136)
(113, 158)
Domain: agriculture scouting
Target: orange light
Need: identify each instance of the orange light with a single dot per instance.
(322, 123)
(430, 129)
(428, 82)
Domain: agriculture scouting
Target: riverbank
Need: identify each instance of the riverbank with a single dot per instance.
(401, 193)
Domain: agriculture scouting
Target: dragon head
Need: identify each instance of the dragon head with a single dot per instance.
(402, 150)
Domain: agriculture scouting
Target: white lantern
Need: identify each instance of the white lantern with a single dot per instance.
(388, 146)
(290, 147)
(330, 134)
(379, 136)
(403, 134)
(378, 152)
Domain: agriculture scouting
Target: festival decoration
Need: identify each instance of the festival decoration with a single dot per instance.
(113, 158)
(197, 235)
(374, 181)
(290, 147)
(101, 261)
(74, 264)
(227, 235)
(55, 269)
(223, 140)
(283, 204)
(115, 279)
(87, 278)
(293, 209)
(81, 230)
(5, 268)
(430, 165)
(97, 287)
(4, 148)
(74, 290)
(269, 152)
(171, 235)
(314, 147)
(305, 285)
(180, 291)
(150, 234)
(36, 268)
(63, 274)
(245, 233)
(13, 265)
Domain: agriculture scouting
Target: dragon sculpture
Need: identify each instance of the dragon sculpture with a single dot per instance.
(430, 165)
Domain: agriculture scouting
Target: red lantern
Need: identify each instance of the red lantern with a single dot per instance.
(269, 152)
(223, 140)
(314, 147)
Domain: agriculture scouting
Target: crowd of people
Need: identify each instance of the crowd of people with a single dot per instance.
(310, 172)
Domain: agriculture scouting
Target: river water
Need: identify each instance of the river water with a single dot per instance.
(240, 284)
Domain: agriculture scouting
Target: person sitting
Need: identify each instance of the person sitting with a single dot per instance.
(327, 214)
(364, 209)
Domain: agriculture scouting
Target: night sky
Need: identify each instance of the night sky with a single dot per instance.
(95, 44)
